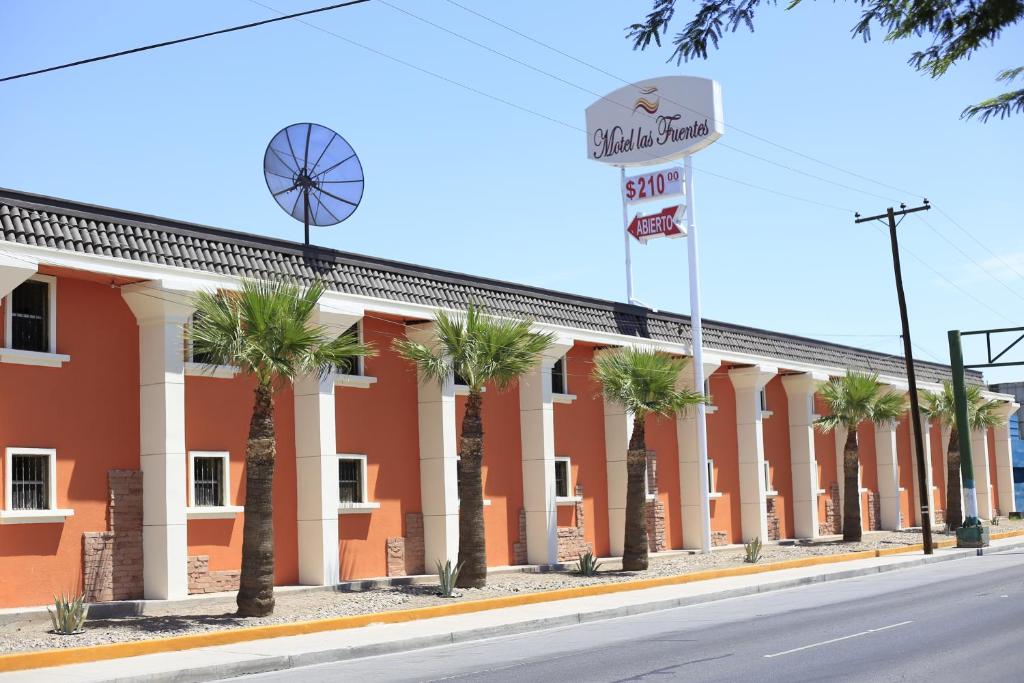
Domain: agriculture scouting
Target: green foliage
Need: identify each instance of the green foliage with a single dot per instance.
(995, 521)
(478, 348)
(446, 577)
(954, 29)
(268, 330)
(69, 613)
(856, 398)
(941, 407)
(752, 550)
(644, 382)
(588, 564)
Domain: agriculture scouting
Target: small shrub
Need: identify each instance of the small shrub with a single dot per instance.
(752, 550)
(446, 577)
(995, 521)
(588, 564)
(69, 613)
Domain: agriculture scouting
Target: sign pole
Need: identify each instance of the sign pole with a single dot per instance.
(625, 236)
(698, 357)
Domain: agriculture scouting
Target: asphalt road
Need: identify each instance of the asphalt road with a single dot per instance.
(953, 621)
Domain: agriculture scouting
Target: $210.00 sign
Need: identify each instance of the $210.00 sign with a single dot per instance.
(661, 184)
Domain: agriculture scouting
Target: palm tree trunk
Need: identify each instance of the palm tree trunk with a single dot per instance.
(472, 542)
(634, 548)
(954, 512)
(851, 504)
(256, 587)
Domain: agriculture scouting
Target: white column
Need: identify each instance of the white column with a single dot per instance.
(748, 383)
(14, 271)
(618, 428)
(316, 466)
(800, 390)
(689, 461)
(888, 475)
(982, 475)
(537, 429)
(439, 494)
(1004, 460)
(915, 499)
(162, 308)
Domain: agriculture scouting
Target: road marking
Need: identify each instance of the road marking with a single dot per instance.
(836, 640)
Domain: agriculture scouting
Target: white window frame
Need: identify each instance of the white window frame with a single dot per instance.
(52, 514)
(709, 409)
(648, 496)
(712, 492)
(355, 508)
(769, 490)
(572, 498)
(564, 396)
(195, 369)
(359, 380)
(762, 402)
(223, 511)
(48, 358)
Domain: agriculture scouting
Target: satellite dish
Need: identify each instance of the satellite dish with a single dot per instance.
(314, 174)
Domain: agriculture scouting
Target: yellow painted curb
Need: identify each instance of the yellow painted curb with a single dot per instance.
(34, 660)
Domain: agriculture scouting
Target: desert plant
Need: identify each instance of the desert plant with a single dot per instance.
(478, 349)
(271, 331)
(68, 614)
(644, 382)
(995, 521)
(447, 577)
(852, 400)
(752, 550)
(588, 564)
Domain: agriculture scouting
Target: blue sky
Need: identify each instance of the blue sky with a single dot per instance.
(461, 181)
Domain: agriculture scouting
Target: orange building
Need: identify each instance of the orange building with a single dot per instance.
(123, 467)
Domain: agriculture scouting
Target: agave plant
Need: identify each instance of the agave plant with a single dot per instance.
(752, 550)
(69, 613)
(447, 576)
(588, 564)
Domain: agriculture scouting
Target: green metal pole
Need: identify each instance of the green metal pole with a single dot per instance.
(963, 428)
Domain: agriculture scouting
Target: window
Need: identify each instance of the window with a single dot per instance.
(559, 385)
(354, 366)
(30, 315)
(763, 399)
(651, 475)
(563, 478)
(30, 482)
(767, 477)
(711, 476)
(208, 481)
(30, 487)
(190, 353)
(707, 386)
(350, 480)
(458, 379)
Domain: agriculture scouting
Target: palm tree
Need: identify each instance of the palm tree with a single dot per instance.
(267, 330)
(478, 349)
(644, 382)
(853, 399)
(981, 414)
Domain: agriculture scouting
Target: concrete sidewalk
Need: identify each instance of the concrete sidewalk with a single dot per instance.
(212, 663)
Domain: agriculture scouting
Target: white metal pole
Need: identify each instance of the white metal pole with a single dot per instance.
(625, 235)
(698, 357)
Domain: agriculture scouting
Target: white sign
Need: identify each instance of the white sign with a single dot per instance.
(655, 121)
(667, 182)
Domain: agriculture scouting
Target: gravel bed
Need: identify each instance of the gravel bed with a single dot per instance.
(295, 606)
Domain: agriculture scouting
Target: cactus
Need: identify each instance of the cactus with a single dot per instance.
(69, 613)
(588, 564)
(447, 576)
(752, 549)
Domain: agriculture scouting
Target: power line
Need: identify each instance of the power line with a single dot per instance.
(626, 82)
(979, 242)
(178, 41)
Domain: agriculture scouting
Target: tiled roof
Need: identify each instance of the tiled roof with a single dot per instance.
(82, 228)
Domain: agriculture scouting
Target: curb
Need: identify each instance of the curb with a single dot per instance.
(49, 658)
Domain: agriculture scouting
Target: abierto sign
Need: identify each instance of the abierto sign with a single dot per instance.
(655, 121)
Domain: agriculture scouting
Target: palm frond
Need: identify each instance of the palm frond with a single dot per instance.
(644, 381)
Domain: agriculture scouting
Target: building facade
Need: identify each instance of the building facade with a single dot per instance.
(123, 462)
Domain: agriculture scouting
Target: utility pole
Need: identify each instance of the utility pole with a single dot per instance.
(908, 354)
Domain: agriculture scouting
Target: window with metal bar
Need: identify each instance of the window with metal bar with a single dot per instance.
(353, 365)
(208, 481)
(562, 478)
(558, 382)
(30, 316)
(198, 357)
(350, 480)
(30, 482)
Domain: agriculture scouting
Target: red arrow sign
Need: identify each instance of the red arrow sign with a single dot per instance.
(662, 224)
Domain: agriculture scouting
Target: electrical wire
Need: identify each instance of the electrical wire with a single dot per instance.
(178, 41)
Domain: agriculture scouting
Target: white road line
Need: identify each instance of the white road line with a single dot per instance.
(836, 640)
